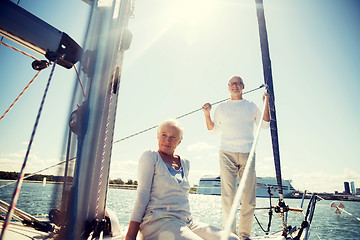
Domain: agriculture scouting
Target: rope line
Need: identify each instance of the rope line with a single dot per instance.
(16, 193)
(184, 115)
(18, 50)
(39, 171)
(104, 149)
(23, 91)
(78, 77)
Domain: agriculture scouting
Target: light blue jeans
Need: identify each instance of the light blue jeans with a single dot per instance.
(232, 166)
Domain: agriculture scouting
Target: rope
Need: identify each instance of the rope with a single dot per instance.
(16, 193)
(250, 162)
(27, 86)
(78, 77)
(104, 147)
(342, 210)
(18, 50)
(258, 222)
(184, 115)
(308, 218)
(34, 173)
(67, 160)
(270, 215)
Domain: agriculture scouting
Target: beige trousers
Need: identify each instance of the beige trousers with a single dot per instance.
(176, 229)
(232, 166)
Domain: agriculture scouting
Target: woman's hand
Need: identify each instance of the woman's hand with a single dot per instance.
(130, 238)
(132, 230)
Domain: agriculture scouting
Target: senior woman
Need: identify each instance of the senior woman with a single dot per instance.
(161, 210)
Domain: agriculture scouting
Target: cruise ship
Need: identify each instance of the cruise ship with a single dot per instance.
(211, 185)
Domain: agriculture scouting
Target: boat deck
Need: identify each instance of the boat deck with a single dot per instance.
(18, 231)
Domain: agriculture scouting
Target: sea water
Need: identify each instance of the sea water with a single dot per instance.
(37, 199)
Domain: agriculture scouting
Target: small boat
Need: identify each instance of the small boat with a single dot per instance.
(211, 185)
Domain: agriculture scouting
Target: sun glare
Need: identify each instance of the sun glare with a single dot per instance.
(185, 17)
(195, 12)
(192, 15)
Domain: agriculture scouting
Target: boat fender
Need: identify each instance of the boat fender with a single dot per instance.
(115, 228)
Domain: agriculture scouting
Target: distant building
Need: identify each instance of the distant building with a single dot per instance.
(352, 184)
(357, 191)
(347, 188)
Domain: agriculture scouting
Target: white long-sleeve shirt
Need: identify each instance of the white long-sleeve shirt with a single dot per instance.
(235, 119)
(159, 194)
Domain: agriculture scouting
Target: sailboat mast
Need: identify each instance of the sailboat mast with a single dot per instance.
(93, 120)
(269, 82)
(264, 45)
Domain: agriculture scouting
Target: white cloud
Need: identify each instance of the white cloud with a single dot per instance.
(14, 161)
(200, 146)
(351, 175)
(321, 181)
(268, 159)
(214, 154)
(124, 169)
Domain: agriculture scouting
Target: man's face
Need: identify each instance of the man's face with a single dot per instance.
(236, 85)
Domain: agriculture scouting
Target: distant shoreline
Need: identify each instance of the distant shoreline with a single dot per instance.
(31, 181)
(325, 196)
(331, 196)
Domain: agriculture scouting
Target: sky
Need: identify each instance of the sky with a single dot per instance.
(182, 54)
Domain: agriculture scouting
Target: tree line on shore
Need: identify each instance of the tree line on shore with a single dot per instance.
(52, 178)
(130, 184)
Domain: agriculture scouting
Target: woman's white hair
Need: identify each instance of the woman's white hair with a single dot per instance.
(174, 123)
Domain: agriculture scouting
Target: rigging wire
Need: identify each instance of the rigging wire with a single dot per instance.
(18, 50)
(184, 115)
(78, 77)
(270, 213)
(23, 91)
(39, 171)
(20, 179)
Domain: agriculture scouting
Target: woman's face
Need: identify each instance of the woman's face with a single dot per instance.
(168, 139)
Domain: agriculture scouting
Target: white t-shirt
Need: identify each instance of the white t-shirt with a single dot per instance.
(235, 119)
